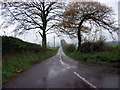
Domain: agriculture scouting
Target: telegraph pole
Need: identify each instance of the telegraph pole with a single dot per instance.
(54, 41)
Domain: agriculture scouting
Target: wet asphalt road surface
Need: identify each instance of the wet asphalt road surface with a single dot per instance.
(60, 71)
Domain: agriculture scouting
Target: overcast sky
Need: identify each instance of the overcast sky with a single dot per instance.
(31, 37)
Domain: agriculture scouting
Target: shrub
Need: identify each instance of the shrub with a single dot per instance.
(69, 48)
(14, 45)
(93, 46)
(111, 48)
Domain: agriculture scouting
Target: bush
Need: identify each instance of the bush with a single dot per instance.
(93, 46)
(69, 48)
(111, 48)
(14, 45)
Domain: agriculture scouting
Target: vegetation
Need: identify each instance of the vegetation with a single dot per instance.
(14, 45)
(93, 46)
(39, 15)
(42, 16)
(77, 14)
(19, 55)
(93, 52)
(70, 48)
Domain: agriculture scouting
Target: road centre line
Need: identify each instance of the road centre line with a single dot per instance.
(61, 62)
(60, 56)
(93, 86)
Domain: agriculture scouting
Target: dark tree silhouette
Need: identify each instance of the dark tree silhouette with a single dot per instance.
(40, 16)
(77, 14)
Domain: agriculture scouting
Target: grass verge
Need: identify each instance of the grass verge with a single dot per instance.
(104, 58)
(19, 62)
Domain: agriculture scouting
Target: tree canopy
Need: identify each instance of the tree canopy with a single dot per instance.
(34, 15)
(77, 14)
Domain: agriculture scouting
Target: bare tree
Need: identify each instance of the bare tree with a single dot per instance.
(77, 14)
(39, 15)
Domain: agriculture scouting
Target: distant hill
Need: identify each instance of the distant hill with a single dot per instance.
(15, 45)
(113, 42)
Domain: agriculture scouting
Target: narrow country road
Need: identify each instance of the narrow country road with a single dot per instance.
(61, 71)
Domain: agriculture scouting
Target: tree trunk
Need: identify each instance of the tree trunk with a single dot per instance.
(79, 34)
(79, 39)
(44, 40)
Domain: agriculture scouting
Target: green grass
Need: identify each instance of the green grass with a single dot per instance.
(76, 47)
(104, 58)
(118, 46)
(18, 55)
(51, 47)
(14, 65)
(95, 52)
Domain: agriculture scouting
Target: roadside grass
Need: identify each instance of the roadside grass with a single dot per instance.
(18, 55)
(51, 47)
(76, 47)
(117, 46)
(17, 64)
(105, 58)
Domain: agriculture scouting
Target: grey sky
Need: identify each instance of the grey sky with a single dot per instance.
(31, 37)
